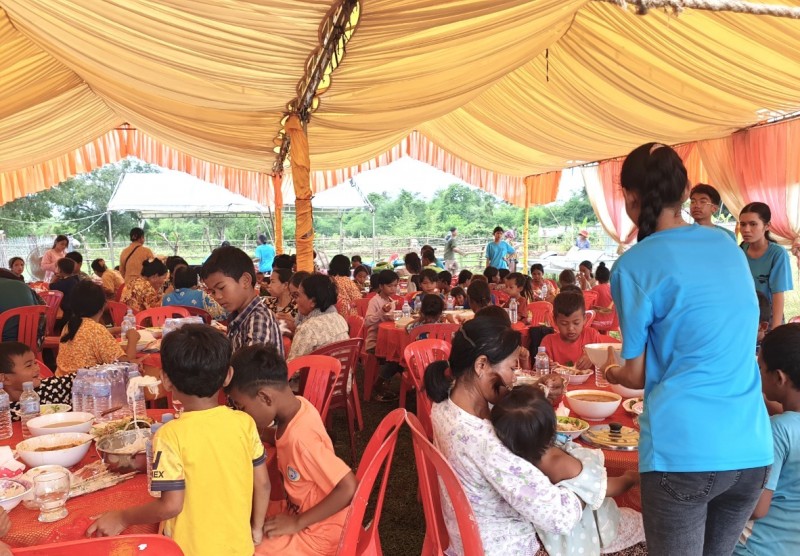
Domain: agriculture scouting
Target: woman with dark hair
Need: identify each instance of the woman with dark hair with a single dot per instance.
(603, 288)
(320, 328)
(52, 256)
(280, 300)
(85, 342)
(133, 257)
(769, 262)
(17, 266)
(698, 489)
(347, 291)
(479, 295)
(544, 289)
(265, 254)
(413, 267)
(187, 293)
(509, 495)
(143, 292)
(585, 277)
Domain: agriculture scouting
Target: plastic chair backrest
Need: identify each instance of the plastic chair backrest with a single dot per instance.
(541, 312)
(52, 299)
(590, 316)
(157, 315)
(346, 352)
(28, 318)
(355, 324)
(44, 370)
(435, 332)
(356, 539)
(118, 293)
(124, 545)
(590, 298)
(607, 321)
(320, 375)
(361, 306)
(433, 472)
(501, 298)
(117, 310)
(418, 355)
(197, 312)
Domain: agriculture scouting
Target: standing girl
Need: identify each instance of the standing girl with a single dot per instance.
(52, 256)
(769, 262)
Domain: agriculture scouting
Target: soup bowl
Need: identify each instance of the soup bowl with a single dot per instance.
(593, 405)
(627, 393)
(598, 353)
(62, 448)
(61, 422)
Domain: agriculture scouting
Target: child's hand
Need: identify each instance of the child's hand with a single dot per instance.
(632, 476)
(282, 524)
(258, 535)
(132, 336)
(583, 363)
(524, 357)
(388, 307)
(109, 524)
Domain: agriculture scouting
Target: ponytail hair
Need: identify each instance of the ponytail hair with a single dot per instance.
(524, 283)
(602, 273)
(88, 299)
(764, 214)
(657, 174)
(485, 336)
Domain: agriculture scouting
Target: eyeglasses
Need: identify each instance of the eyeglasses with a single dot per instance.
(699, 202)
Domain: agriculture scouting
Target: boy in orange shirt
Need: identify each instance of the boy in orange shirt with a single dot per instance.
(566, 345)
(319, 486)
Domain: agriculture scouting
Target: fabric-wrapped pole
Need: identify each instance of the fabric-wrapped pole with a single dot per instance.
(301, 167)
(277, 183)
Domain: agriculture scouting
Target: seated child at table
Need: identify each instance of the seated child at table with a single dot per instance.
(492, 276)
(209, 464)
(524, 420)
(427, 286)
(379, 310)
(464, 278)
(18, 365)
(431, 312)
(774, 531)
(566, 346)
(319, 486)
(443, 280)
(518, 286)
(459, 297)
(85, 342)
(603, 287)
(566, 278)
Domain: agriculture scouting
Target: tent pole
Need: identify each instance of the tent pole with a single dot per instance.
(110, 239)
(526, 227)
(277, 183)
(301, 168)
(374, 248)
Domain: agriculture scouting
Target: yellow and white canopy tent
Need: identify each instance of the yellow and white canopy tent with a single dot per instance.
(507, 92)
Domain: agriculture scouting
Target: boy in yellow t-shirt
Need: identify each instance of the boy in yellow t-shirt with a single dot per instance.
(209, 464)
(319, 486)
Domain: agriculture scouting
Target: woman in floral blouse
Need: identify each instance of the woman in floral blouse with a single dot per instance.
(280, 300)
(509, 495)
(320, 327)
(143, 292)
(347, 290)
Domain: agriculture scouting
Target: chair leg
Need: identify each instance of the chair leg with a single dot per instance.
(351, 419)
(353, 397)
(403, 388)
(370, 363)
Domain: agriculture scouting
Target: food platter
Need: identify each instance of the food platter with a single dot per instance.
(613, 436)
(628, 405)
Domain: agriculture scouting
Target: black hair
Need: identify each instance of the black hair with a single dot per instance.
(60, 237)
(256, 366)
(355, 259)
(298, 277)
(657, 174)
(537, 266)
(705, 189)
(282, 261)
(186, 277)
(764, 214)
(490, 272)
(503, 272)
(464, 276)
(494, 312)
(567, 303)
(225, 243)
(229, 261)
(458, 290)
(174, 261)
(475, 338)
(444, 276)
(136, 234)
(339, 266)
(7, 274)
(497, 229)
(386, 277)
(780, 350)
(429, 255)
(523, 282)
(321, 290)
(195, 358)
(362, 268)
(75, 256)
(567, 276)
(9, 350)
(432, 305)
(284, 275)
(479, 294)
(99, 267)
(764, 307)
(574, 288)
(479, 278)
(413, 263)
(428, 273)
(603, 274)
(66, 266)
(262, 238)
(525, 422)
(87, 300)
(154, 268)
(12, 260)
(587, 264)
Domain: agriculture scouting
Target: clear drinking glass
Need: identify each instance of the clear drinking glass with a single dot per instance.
(50, 491)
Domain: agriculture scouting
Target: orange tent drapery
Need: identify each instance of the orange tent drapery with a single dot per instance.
(277, 183)
(304, 232)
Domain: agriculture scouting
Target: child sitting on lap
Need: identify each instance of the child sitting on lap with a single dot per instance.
(572, 334)
(524, 420)
(319, 486)
(209, 464)
(430, 312)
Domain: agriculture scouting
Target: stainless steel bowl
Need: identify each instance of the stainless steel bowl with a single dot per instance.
(111, 450)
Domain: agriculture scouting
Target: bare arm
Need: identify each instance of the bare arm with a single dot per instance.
(630, 375)
(622, 484)
(762, 508)
(161, 509)
(777, 309)
(261, 490)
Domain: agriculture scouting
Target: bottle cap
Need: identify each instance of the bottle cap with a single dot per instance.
(27, 385)
(542, 349)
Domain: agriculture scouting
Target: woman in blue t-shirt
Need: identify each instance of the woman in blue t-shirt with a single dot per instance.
(769, 262)
(705, 445)
(265, 254)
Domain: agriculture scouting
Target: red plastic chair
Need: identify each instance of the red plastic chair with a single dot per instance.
(28, 319)
(590, 316)
(355, 325)
(431, 332)
(345, 391)
(44, 370)
(118, 293)
(541, 312)
(433, 471)
(117, 311)
(356, 539)
(590, 298)
(196, 312)
(124, 545)
(361, 306)
(606, 322)
(157, 315)
(418, 355)
(318, 375)
(52, 300)
(501, 298)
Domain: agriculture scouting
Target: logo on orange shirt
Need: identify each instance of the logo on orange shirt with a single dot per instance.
(292, 474)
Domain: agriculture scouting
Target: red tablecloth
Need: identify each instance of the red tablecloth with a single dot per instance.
(391, 342)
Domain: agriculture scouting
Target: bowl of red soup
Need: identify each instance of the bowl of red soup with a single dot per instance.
(593, 405)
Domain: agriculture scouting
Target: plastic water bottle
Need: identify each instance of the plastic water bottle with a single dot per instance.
(29, 407)
(600, 377)
(128, 323)
(101, 396)
(77, 390)
(406, 309)
(86, 392)
(5, 414)
(542, 362)
(450, 302)
(544, 291)
(512, 310)
(137, 407)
